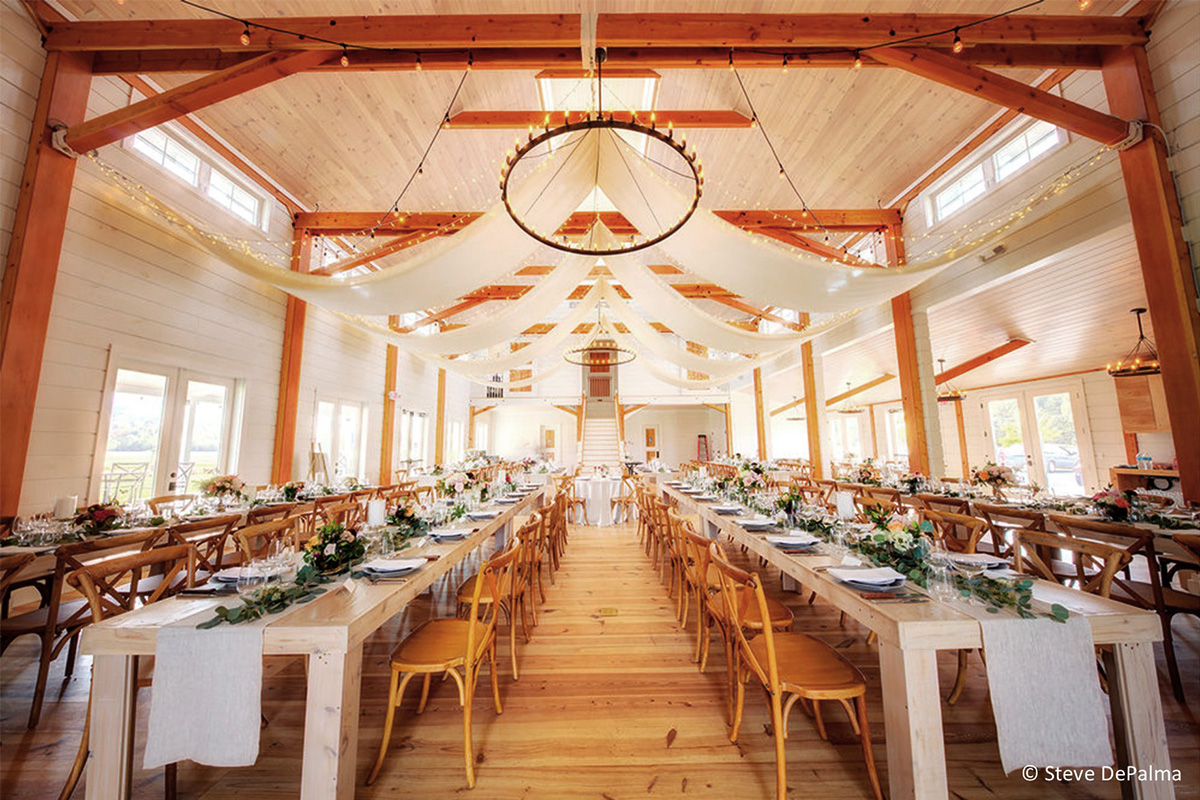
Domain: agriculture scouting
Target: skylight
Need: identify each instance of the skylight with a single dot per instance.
(638, 93)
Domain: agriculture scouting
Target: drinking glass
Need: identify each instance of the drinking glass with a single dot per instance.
(251, 577)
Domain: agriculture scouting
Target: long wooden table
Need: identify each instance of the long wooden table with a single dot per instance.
(911, 634)
(330, 631)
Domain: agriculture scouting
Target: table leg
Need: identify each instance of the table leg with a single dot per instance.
(114, 696)
(912, 715)
(1138, 721)
(331, 725)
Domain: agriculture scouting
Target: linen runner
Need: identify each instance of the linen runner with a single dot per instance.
(206, 699)
(1045, 691)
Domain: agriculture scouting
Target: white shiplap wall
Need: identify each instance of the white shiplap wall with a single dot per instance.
(21, 61)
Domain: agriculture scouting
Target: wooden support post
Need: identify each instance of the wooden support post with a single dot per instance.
(962, 441)
(874, 432)
(910, 384)
(760, 417)
(31, 266)
(812, 407)
(473, 412)
(1166, 268)
(728, 429)
(289, 369)
(439, 432)
(390, 369)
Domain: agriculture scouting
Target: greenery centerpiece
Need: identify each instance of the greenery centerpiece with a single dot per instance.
(405, 525)
(99, 518)
(270, 599)
(867, 474)
(913, 483)
(291, 490)
(333, 549)
(454, 483)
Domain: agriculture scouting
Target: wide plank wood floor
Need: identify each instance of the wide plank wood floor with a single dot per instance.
(609, 706)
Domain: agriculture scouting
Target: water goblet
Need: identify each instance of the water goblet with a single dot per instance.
(251, 578)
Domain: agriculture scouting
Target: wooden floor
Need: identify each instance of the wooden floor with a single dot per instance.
(609, 706)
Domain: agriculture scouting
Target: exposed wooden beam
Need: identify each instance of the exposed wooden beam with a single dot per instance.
(288, 406)
(1005, 91)
(387, 436)
(788, 236)
(444, 314)
(843, 219)
(384, 223)
(116, 125)
(479, 32)
(31, 265)
(1166, 267)
(862, 387)
(740, 305)
(812, 422)
(910, 386)
(439, 431)
(961, 424)
(980, 360)
(574, 411)
(760, 418)
(395, 245)
(799, 401)
(630, 410)
(522, 120)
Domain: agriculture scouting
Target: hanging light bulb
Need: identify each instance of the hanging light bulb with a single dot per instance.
(731, 60)
(782, 174)
(470, 61)
(857, 59)
(785, 62)
(345, 57)
(418, 62)
(1084, 5)
(245, 38)
(958, 42)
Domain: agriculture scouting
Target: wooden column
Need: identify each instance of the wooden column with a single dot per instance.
(874, 432)
(31, 266)
(1166, 269)
(439, 432)
(962, 440)
(389, 413)
(812, 407)
(760, 416)
(910, 384)
(728, 429)
(289, 369)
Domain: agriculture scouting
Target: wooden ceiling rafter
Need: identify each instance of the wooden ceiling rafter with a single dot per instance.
(368, 257)
(480, 33)
(1016, 343)
(862, 387)
(523, 120)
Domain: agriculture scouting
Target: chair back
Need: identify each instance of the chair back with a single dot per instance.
(348, 513)
(738, 590)
(208, 536)
(254, 541)
(111, 585)
(174, 503)
(256, 515)
(1003, 520)
(883, 493)
(10, 567)
(493, 574)
(699, 558)
(305, 515)
(937, 502)
(960, 533)
(1134, 541)
(77, 555)
(1096, 563)
(867, 504)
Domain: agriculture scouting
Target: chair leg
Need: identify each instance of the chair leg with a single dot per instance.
(468, 745)
(424, 693)
(39, 688)
(81, 756)
(780, 753)
(820, 720)
(739, 704)
(512, 641)
(72, 650)
(1168, 644)
(494, 669)
(960, 680)
(395, 696)
(864, 729)
(170, 780)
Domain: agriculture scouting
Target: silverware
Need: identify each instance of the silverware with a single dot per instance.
(917, 599)
(383, 579)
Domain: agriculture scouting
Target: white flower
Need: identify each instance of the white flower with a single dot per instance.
(330, 548)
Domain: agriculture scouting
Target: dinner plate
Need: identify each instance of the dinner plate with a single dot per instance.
(877, 587)
(691, 491)
(509, 501)
(393, 566)
(705, 498)
(757, 524)
(726, 509)
(230, 574)
(988, 562)
(450, 534)
(871, 577)
(482, 514)
(793, 540)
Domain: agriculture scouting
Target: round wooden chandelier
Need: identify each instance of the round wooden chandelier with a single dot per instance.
(595, 124)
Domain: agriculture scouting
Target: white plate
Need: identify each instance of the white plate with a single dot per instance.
(873, 576)
(794, 540)
(508, 501)
(482, 514)
(989, 562)
(705, 498)
(230, 574)
(755, 524)
(451, 533)
(726, 509)
(393, 566)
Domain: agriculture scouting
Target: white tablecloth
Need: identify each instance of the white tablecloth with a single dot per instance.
(599, 494)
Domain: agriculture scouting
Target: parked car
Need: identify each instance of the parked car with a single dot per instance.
(1060, 457)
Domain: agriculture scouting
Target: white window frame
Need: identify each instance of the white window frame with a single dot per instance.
(334, 455)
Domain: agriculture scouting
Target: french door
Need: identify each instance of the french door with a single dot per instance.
(168, 430)
(1042, 434)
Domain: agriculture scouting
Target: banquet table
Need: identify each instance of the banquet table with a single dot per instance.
(329, 631)
(599, 494)
(911, 634)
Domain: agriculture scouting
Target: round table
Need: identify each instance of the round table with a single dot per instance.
(599, 494)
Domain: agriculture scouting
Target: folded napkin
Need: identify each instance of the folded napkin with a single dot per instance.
(393, 564)
(1045, 692)
(876, 575)
(222, 667)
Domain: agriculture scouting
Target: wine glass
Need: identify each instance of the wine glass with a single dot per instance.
(251, 578)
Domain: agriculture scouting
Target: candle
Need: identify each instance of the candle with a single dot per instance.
(64, 507)
(376, 513)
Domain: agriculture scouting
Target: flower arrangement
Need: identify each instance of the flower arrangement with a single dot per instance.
(333, 548)
(455, 483)
(291, 490)
(352, 484)
(1113, 504)
(790, 503)
(657, 465)
(528, 463)
(223, 486)
(993, 475)
(100, 517)
(751, 480)
(913, 482)
(601, 471)
(408, 524)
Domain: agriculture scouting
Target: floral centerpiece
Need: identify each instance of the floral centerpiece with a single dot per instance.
(223, 486)
(657, 465)
(790, 504)
(99, 517)
(866, 473)
(350, 483)
(1113, 504)
(913, 482)
(528, 463)
(601, 471)
(291, 490)
(333, 549)
(993, 475)
(408, 524)
(454, 483)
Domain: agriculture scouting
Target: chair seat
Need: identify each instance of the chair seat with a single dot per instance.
(1142, 594)
(781, 615)
(35, 621)
(437, 645)
(467, 590)
(811, 668)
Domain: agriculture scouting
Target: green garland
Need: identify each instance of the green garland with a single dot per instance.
(271, 599)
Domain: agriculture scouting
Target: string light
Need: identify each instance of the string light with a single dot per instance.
(957, 47)
(1084, 5)
(245, 38)
(345, 57)
(470, 61)
(418, 62)
(785, 62)
(731, 60)
(858, 59)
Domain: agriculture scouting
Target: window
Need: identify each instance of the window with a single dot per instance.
(897, 434)
(1037, 139)
(338, 430)
(233, 198)
(412, 439)
(957, 195)
(169, 154)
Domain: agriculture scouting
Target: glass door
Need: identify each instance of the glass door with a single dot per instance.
(1037, 433)
(132, 452)
(203, 442)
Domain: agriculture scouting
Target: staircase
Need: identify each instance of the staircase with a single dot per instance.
(600, 444)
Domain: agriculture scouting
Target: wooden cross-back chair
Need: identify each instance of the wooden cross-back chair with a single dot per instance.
(865, 503)
(626, 500)
(1003, 522)
(1149, 594)
(114, 586)
(791, 667)
(305, 516)
(937, 502)
(174, 503)
(10, 568)
(566, 486)
(349, 514)
(209, 537)
(883, 493)
(59, 621)
(960, 533)
(443, 646)
(254, 541)
(267, 513)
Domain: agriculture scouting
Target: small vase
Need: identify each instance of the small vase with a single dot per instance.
(1116, 513)
(997, 494)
